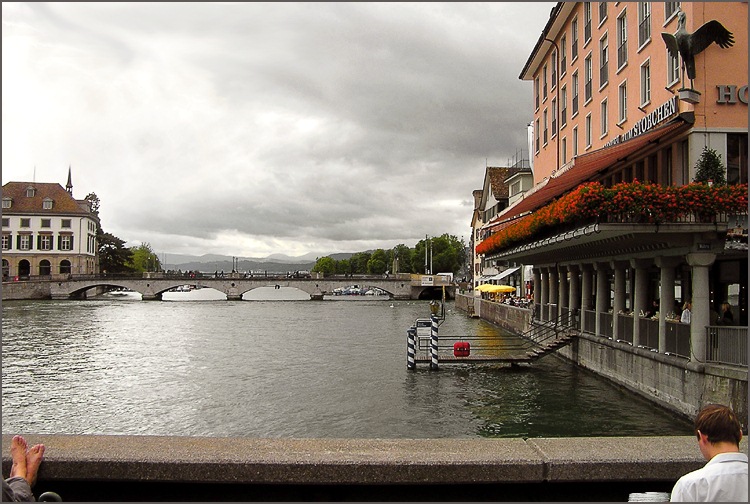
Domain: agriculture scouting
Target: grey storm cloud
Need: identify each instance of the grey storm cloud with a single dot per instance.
(240, 127)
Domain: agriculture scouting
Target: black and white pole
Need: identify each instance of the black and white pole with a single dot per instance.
(411, 337)
(434, 341)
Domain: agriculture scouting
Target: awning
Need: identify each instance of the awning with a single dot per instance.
(505, 273)
(584, 169)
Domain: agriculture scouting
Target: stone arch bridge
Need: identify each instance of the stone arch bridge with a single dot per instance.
(153, 286)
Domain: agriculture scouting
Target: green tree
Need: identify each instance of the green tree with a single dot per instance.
(114, 257)
(94, 202)
(144, 259)
(403, 255)
(378, 262)
(710, 167)
(359, 262)
(447, 251)
(325, 265)
(343, 267)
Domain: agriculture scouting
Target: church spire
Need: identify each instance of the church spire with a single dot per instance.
(69, 185)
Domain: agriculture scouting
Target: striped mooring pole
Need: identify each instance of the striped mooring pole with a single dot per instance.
(434, 342)
(411, 337)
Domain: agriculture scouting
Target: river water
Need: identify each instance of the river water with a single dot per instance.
(198, 365)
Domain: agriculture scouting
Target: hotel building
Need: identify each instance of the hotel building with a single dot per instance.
(611, 106)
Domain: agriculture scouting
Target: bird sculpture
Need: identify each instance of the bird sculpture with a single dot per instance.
(688, 45)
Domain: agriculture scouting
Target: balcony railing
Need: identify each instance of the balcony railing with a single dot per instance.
(726, 345)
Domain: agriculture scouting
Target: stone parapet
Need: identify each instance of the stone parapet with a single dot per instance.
(94, 467)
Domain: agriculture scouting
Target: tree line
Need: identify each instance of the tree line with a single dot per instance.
(445, 254)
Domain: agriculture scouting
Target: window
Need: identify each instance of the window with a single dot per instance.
(25, 222)
(7, 202)
(588, 131)
(564, 150)
(604, 118)
(575, 141)
(515, 188)
(563, 52)
(30, 192)
(603, 61)
(554, 117)
(736, 158)
(65, 223)
(588, 71)
(44, 242)
(47, 204)
(623, 103)
(554, 69)
(673, 69)
(544, 83)
(65, 242)
(6, 222)
(586, 22)
(536, 93)
(563, 107)
(645, 83)
(44, 267)
(602, 12)
(574, 100)
(536, 134)
(46, 223)
(622, 40)
(670, 9)
(544, 138)
(24, 242)
(574, 39)
(644, 23)
(7, 240)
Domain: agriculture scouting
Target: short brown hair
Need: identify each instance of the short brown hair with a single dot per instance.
(719, 423)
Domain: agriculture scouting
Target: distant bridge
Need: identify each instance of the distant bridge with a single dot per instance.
(234, 285)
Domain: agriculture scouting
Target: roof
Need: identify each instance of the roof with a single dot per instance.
(63, 201)
(586, 168)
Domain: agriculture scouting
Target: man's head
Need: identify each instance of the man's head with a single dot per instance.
(718, 430)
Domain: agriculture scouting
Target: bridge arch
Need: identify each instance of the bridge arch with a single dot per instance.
(234, 288)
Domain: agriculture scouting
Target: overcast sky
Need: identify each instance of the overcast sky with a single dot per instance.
(249, 129)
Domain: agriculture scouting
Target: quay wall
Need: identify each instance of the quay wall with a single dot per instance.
(153, 468)
(672, 382)
(13, 291)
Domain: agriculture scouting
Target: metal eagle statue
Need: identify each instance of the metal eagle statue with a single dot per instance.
(688, 45)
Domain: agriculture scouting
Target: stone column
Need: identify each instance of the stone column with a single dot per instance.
(602, 294)
(554, 284)
(537, 279)
(640, 298)
(544, 301)
(700, 316)
(666, 295)
(574, 293)
(586, 285)
(619, 302)
(562, 298)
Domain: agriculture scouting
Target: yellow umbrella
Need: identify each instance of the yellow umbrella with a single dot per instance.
(485, 287)
(503, 288)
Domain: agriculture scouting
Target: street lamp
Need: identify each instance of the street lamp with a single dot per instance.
(557, 99)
